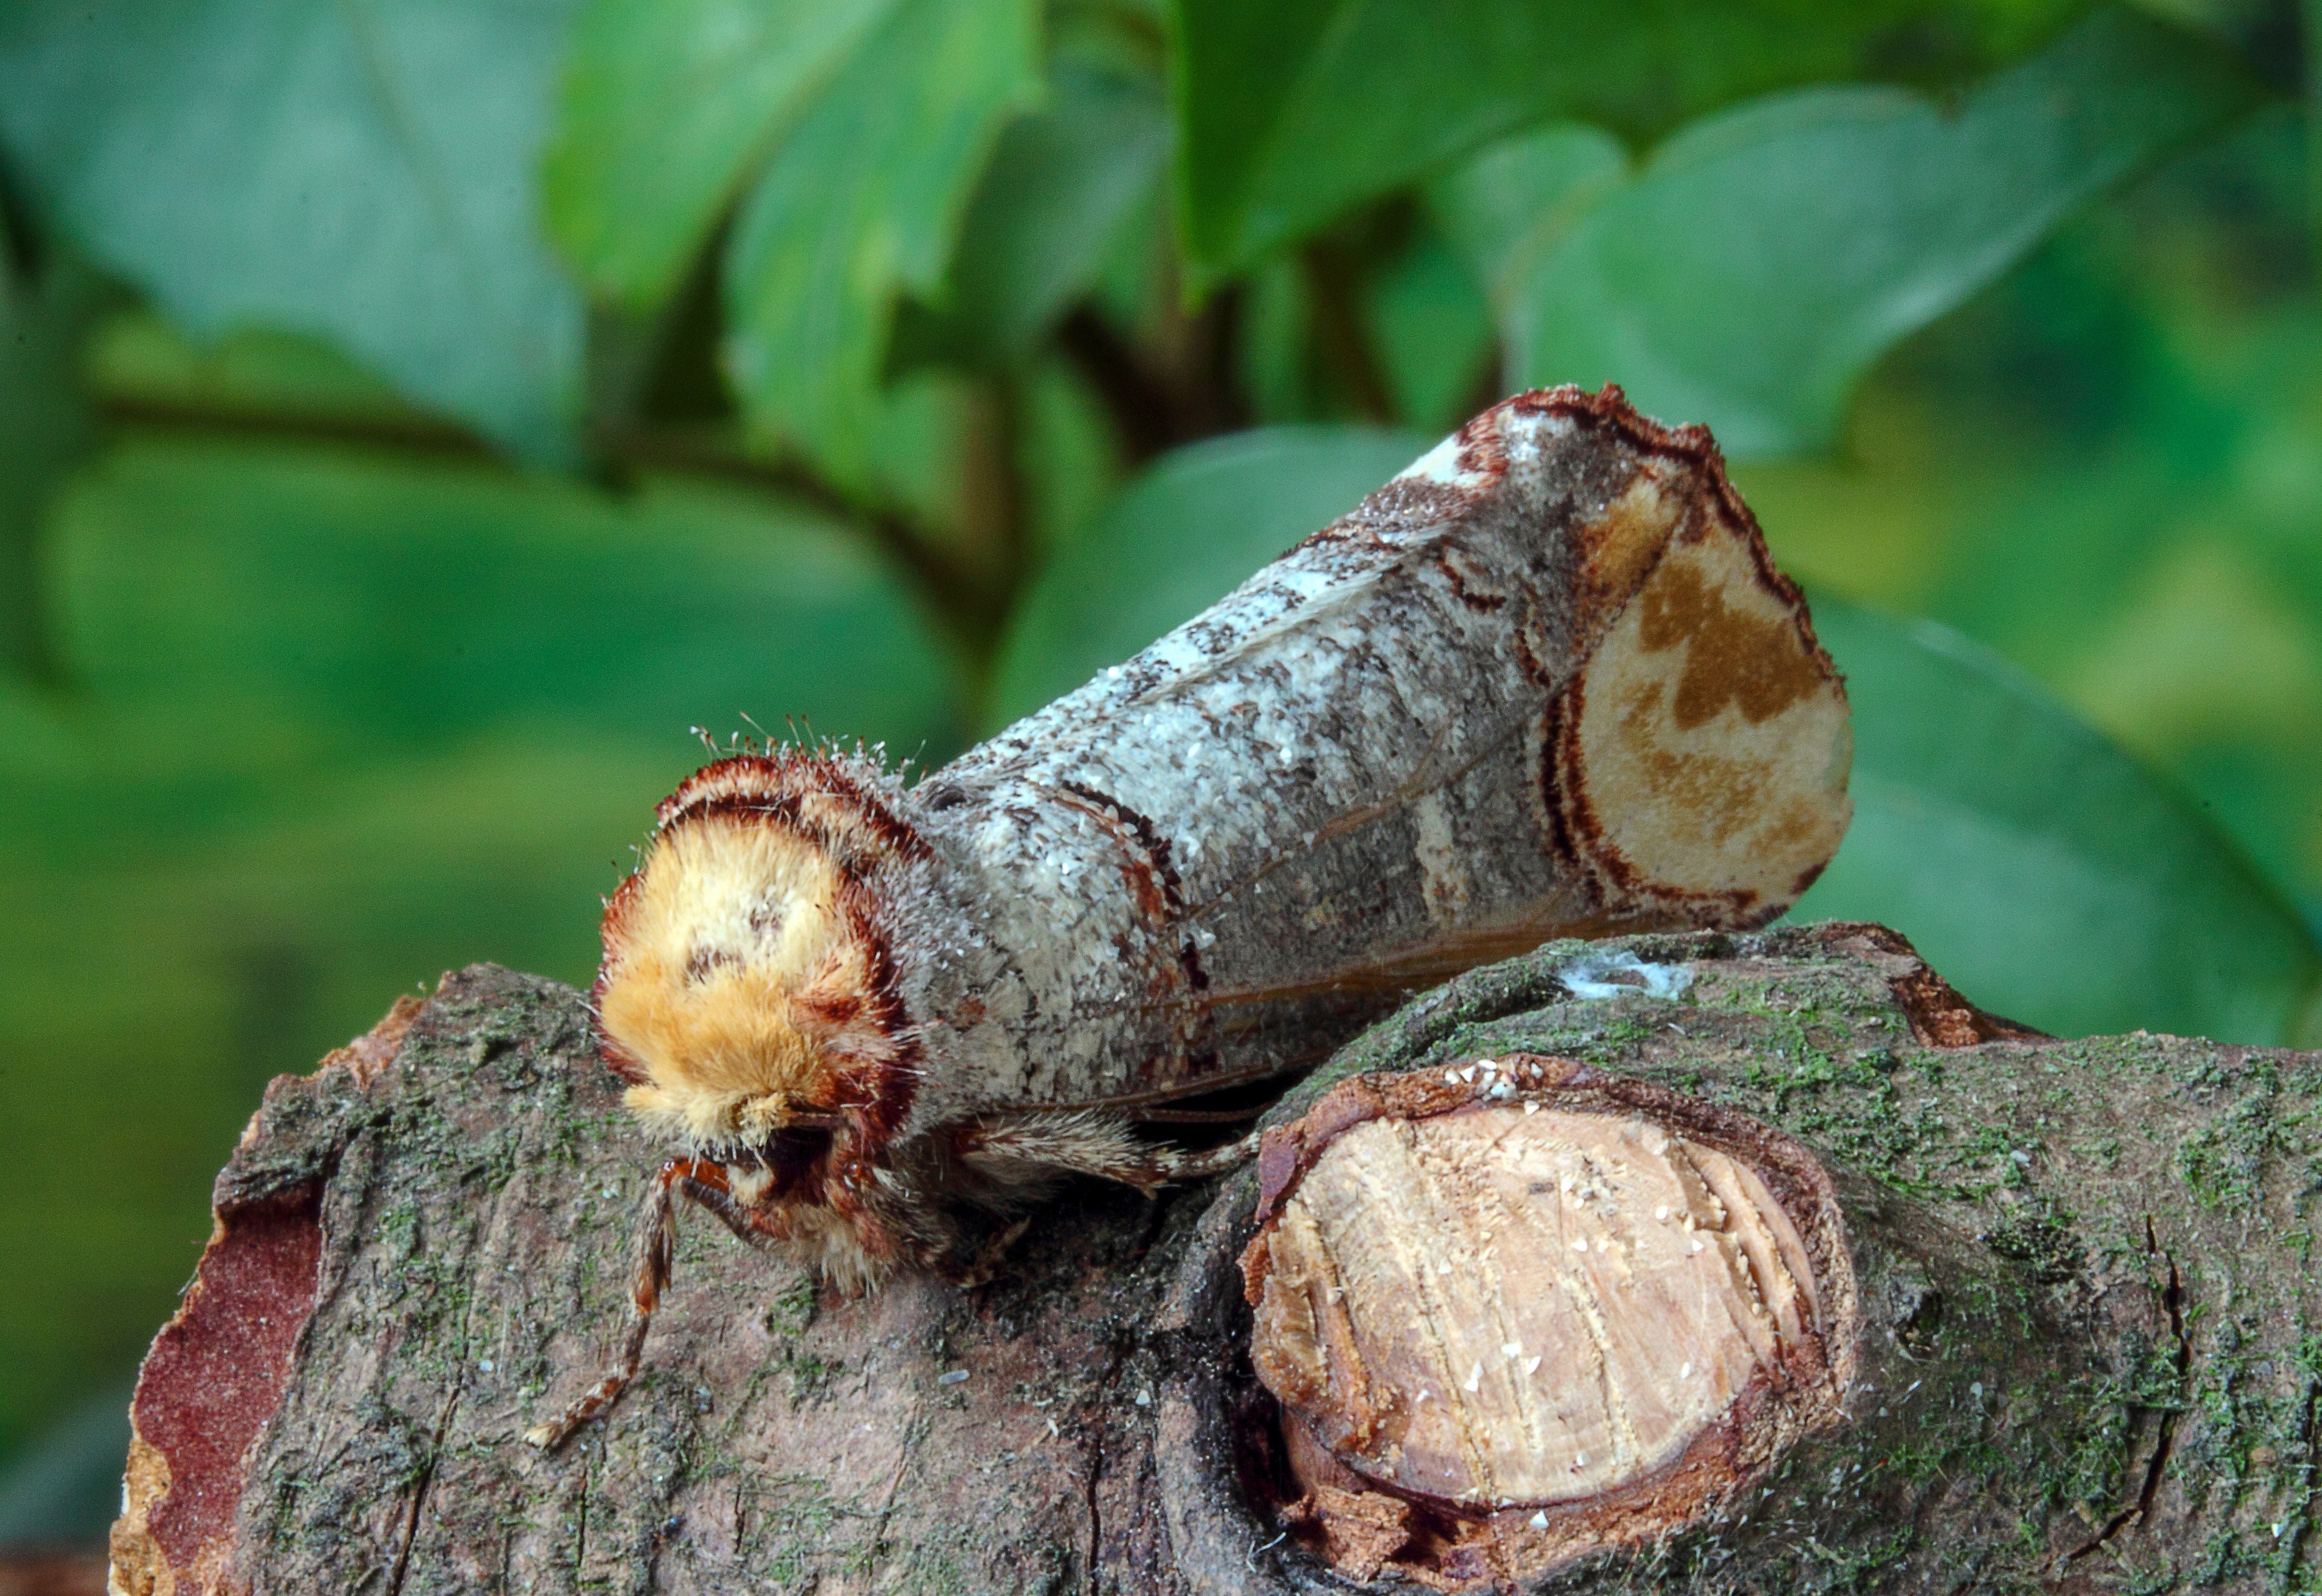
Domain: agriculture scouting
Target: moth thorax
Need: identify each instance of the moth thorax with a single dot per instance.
(734, 963)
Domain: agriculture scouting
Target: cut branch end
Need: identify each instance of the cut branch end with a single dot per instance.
(1519, 1310)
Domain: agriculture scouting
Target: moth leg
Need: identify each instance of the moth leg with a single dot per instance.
(1193, 1166)
(980, 1265)
(706, 1187)
(702, 1182)
(1028, 1148)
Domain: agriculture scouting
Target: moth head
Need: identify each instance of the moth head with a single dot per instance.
(746, 991)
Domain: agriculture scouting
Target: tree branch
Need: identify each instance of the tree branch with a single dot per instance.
(2075, 1356)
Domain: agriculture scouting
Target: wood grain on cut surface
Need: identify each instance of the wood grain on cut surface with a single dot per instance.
(1549, 1311)
(1501, 1308)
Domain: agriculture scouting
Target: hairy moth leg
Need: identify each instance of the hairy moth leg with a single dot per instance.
(700, 1181)
(1020, 1156)
(1028, 1150)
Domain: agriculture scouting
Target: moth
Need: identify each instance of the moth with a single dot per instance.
(1546, 682)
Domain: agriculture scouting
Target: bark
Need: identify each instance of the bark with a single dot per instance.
(2085, 1357)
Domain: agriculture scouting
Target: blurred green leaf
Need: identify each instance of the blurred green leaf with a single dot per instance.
(66, 1488)
(44, 430)
(1433, 333)
(667, 106)
(2044, 873)
(861, 204)
(361, 173)
(1064, 183)
(1072, 464)
(1762, 259)
(1276, 345)
(1178, 539)
(367, 599)
(1515, 199)
(1291, 112)
(138, 361)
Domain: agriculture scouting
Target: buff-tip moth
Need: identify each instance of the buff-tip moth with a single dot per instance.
(1547, 682)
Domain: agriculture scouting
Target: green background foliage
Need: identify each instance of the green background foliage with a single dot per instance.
(416, 417)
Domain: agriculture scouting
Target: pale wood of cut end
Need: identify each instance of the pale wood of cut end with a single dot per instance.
(1516, 1306)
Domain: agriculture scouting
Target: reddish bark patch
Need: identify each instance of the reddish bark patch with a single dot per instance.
(1939, 1016)
(216, 1373)
(217, 1370)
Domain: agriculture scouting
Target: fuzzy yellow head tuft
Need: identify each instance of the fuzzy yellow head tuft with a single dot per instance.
(725, 960)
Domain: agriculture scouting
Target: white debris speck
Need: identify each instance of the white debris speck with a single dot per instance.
(1512, 1349)
(1685, 1372)
(1976, 1391)
(1531, 1107)
(1532, 1365)
(1580, 1459)
(1539, 1521)
(1468, 1073)
(1475, 1381)
(1145, 1398)
(1661, 1213)
(1587, 977)
(2021, 1157)
(1450, 1077)
(952, 1377)
(485, 1364)
(1696, 1243)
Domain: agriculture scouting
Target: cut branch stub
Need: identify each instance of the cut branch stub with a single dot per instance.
(1552, 1310)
